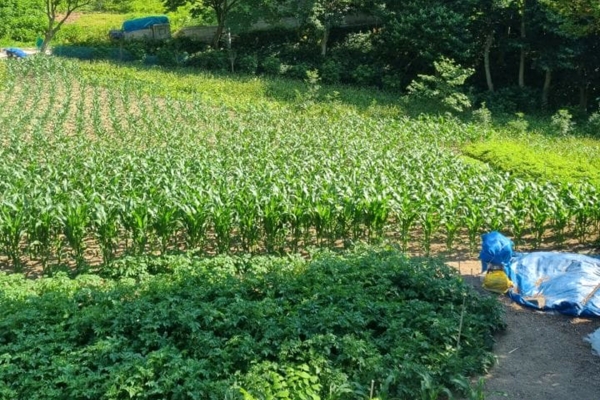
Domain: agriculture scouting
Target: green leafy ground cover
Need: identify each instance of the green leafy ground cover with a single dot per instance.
(183, 327)
(559, 160)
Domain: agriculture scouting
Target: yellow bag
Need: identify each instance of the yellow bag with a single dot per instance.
(496, 281)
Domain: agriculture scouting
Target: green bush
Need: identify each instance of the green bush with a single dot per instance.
(518, 125)
(298, 71)
(233, 327)
(22, 20)
(331, 71)
(271, 65)
(593, 123)
(445, 87)
(562, 122)
(247, 64)
(365, 74)
(509, 100)
(483, 115)
(211, 60)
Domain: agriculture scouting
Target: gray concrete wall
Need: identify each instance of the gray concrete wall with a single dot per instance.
(206, 33)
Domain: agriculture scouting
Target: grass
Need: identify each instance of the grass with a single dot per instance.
(241, 90)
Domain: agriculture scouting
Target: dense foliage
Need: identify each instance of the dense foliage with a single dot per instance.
(180, 327)
(21, 20)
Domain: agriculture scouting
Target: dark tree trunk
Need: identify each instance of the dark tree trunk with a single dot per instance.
(48, 36)
(583, 97)
(522, 57)
(324, 41)
(218, 33)
(486, 61)
(546, 89)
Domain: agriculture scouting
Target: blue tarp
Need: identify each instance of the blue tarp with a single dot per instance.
(563, 282)
(15, 52)
(144, 23)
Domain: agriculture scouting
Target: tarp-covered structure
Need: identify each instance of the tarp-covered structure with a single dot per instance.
(564, 282)
(139, 24)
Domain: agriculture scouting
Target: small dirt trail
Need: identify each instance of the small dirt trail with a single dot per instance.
(540, 356)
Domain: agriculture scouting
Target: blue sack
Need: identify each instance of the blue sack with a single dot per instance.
(496, 249)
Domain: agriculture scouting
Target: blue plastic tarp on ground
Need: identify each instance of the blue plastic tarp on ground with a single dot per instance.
(15, 52)
(144, 23)
(563, 282)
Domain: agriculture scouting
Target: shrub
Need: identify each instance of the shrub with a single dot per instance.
(594, 123)
(365, 74)
(247, 64)
(271, 65)
(445, 86)
(392, 80)
(212, 60)
(512, 99)
(331, 71)
(562, 122)
(298, 71)
(518, 125)
(483, 115)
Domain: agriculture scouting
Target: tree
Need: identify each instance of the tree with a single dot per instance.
(553, 48)
(582, 16)
(57, 12)
(487, 15)
(322, 15)
(414, 34)
(221, 9)
(445, 86)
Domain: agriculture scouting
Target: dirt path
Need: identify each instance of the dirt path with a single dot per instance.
(541, 356)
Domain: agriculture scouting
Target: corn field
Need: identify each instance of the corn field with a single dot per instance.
(114, 168)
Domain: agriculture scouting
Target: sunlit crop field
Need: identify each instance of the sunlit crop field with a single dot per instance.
(91, 169)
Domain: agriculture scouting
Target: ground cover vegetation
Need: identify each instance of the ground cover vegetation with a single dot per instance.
(370, 323)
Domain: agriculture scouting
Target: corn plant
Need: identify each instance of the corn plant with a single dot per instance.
(75, 220)
(12, 228)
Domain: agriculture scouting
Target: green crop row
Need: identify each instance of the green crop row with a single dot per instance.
(337, 327)
(91, 170)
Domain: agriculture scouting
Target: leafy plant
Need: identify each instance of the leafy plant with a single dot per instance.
(445, 86)
(246, 328)
(562, 122)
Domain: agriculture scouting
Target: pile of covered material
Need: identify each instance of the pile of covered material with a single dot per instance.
(564, 282)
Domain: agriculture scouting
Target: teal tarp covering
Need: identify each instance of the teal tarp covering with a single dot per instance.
(564, 282)
(144, 23)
